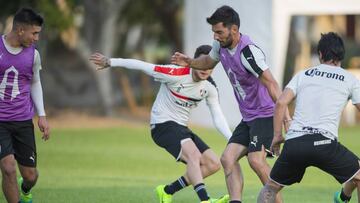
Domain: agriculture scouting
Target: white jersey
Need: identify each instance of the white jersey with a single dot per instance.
(321, 94)
(178, 94)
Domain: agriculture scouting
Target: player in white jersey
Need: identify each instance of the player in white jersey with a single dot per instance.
(321, 94)
(181, 90)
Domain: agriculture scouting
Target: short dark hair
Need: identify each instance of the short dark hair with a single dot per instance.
(27, 16)
(203, 49)
(331, 47)
(226, 15)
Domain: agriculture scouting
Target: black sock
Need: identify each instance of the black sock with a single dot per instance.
(235, 201)
(24, 189)
(344, 197)
(176, 186)
(201, 192)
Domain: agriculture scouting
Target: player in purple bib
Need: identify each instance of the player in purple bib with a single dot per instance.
(20, 96)
(255, 90)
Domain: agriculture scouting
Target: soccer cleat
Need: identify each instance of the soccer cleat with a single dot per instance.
(24, 198)
(223, 199)
(337, 198)
(162, 195)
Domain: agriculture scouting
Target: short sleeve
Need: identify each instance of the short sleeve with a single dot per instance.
(215, 51)
(355, 92)
(294, 83)
(253, 60)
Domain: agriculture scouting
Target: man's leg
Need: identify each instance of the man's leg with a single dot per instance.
(348, 188)
(257, 161)
(9, 183)
(233, 175)
(269, 192)
(191, 155)
(209, 164)
(30, 176)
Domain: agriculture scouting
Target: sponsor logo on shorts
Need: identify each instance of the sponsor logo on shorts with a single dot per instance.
(32, 158)
(322, 142)
(255, 140)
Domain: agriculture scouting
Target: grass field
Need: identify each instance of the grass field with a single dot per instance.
(123, 165)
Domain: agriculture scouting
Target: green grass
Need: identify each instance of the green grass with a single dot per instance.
(124, 165)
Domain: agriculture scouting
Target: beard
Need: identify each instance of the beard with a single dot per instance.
(228, 42)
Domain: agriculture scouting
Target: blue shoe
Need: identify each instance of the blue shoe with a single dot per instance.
(337, 198)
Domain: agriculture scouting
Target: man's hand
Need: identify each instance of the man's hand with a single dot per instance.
(100, 61)
(44, 127)
(180, 59)
(276, 142)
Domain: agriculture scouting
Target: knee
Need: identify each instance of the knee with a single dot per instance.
(256, 163)
(30, 175)
(226, 160)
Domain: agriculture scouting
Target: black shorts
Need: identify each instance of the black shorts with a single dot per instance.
(17, 137)
(169, 135)
(253, 134)
(314, 150)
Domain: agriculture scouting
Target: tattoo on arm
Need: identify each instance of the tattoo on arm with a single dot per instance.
(267, 195)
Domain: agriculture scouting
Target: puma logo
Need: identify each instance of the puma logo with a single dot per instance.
(253, 143)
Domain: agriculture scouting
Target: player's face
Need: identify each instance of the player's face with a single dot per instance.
(223, 35)
(202, 74)
(28, 34)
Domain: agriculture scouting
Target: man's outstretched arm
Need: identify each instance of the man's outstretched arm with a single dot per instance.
(204, 62)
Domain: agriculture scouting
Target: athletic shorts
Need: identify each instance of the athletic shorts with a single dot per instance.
(169, 135)
(314, 150)
(253, 134)
(17, 137)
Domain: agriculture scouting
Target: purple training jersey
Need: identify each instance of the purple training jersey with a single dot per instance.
(252, 96)
(16, 72)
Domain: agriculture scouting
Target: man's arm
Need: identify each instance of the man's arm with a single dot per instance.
(201, 63)
(162, 73)
(280, 108)
(274, 90)
(212, 101)
(219, 120)
(102, 62)
(37, 97)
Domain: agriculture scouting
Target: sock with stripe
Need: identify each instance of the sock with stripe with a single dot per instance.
(343, 196)
(201, 192)
(176, 186)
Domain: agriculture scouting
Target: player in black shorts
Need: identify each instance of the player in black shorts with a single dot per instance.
(181, 90)
(321, 94)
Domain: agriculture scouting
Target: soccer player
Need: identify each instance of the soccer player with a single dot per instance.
(320, 93)
(20, 92)
(255, 90)
(182, 88)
